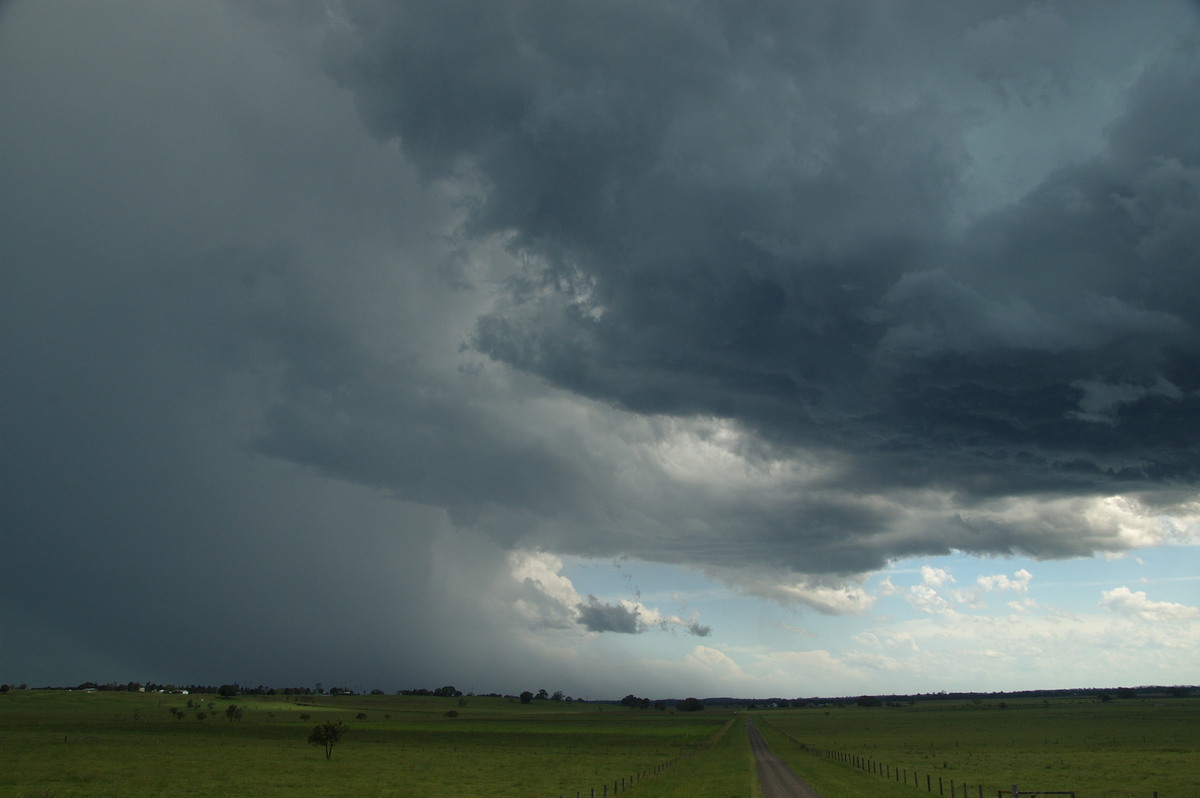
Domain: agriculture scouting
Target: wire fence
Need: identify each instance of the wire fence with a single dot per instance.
(931, 782)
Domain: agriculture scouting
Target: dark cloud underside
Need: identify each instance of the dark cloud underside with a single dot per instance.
(720, 219)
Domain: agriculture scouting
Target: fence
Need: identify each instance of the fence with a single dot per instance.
(885, 770)
(624, 783)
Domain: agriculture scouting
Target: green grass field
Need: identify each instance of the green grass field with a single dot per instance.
(1118, 749)
(59, 743)
(74, 743)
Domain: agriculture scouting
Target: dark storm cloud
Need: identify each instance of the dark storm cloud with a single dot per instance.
(596, 616)
(264, 360)
(751, 215)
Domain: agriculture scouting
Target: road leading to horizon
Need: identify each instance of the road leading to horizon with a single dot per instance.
(776, 779)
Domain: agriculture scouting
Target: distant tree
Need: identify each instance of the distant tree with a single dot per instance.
(661, 706)
(228, 690)
(1126, 692)
(361, 716)
(526, 697)
(690, 705)
(869, 701)
(542, 695)
(4, 688)
(327, 735)
(233, 712)
(376, 692)
(201, 715)
(558, 696)
(447, 692)
(630, 701)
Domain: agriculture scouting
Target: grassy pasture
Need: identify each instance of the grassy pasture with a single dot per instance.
(1119, 749)
(59, 743)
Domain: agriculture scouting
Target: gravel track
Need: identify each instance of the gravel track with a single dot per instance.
(776, 779)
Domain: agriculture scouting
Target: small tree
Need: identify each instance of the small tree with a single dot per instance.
(526, 697)
(327, 734)
(233, 712)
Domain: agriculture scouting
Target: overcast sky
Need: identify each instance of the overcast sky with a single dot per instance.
(604, 346)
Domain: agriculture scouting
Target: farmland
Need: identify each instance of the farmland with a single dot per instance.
(75, 743)
(1114, 749)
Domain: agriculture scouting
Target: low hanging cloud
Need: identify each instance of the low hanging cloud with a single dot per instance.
(629, 617)
(596, 616)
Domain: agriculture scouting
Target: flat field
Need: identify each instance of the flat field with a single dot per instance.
(74, 743)
(1124, 748)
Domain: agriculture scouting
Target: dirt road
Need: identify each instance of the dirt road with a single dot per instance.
(776, 779)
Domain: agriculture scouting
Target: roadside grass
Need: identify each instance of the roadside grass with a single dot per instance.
(726, 770)
(1119, 749)
(70, 743)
